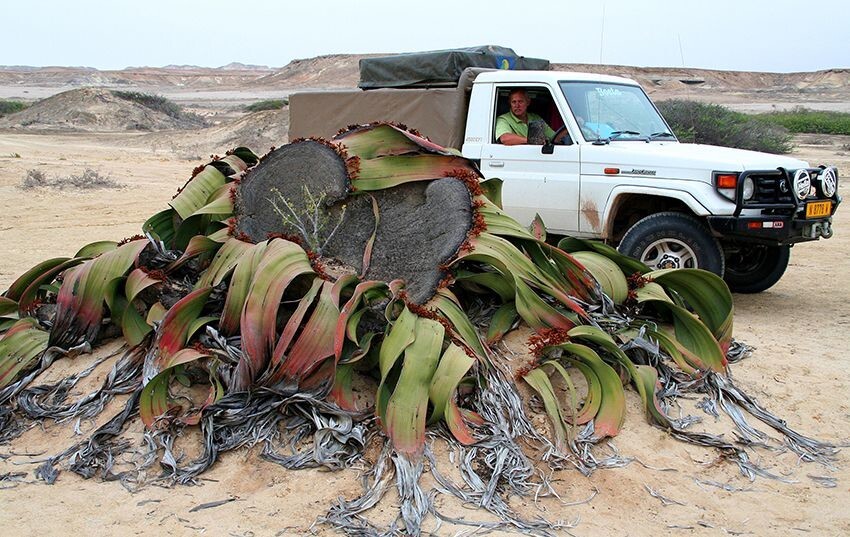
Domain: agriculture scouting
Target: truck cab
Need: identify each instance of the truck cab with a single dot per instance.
(620, 175)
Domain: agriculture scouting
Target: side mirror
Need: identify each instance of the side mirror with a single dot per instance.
(548, 148)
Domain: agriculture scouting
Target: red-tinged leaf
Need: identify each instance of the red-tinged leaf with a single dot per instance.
(137, 281)
(648, 377)
(538, 228)
(407, 406)
(94, 249)
(593, 399)
(315, 344)
(237, 291)
(225, 260)
(173, 333)
(30, 295)
(342, 394)
(24, 280)
(197, 191)
(199, 244)
(453, 366)
(153, 401)
(295, 320)
(82, 295)
(382, 139)
(282, 262)
(612, 409)
(351, 308)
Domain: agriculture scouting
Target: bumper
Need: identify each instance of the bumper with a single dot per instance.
(770, 229)
(782, 217)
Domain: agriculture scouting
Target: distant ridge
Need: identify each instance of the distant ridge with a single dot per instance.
(342, 71)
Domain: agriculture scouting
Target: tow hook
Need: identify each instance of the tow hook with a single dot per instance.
(821, 229)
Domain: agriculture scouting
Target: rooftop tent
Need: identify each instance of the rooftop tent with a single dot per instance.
(439, 67)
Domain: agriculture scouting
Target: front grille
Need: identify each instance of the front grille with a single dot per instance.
(768, 190)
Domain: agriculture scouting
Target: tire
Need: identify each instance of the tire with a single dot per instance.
(753, 268)
(673, 240)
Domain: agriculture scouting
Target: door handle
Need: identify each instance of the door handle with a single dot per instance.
(497, 164)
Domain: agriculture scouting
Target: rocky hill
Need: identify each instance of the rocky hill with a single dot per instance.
(96, 109)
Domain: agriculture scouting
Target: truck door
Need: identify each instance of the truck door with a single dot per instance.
(534, 182)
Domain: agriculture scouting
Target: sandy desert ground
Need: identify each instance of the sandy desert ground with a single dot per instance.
(799, 370)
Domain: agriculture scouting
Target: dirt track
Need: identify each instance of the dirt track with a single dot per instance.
(799, 370)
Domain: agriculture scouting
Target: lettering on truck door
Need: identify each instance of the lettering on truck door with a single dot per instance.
(535, 183)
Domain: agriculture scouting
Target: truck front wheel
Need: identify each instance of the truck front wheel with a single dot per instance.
(673, 240)
(753, 268)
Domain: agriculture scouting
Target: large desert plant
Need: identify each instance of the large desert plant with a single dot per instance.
(254, 339)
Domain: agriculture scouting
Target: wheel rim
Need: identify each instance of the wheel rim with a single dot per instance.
(669, 253)
(746, 260)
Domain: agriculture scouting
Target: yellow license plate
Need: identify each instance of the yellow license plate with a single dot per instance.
(818, 209)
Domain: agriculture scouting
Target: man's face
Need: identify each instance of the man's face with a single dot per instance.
(519, 104)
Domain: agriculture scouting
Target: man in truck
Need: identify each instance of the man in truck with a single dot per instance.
(512, 127)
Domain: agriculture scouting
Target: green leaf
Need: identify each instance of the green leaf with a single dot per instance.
(162, 226)
(94, 249)
(627, 264)
(197, 191)
(447, 303)
(453, 366)
(386, 172)
(501, 322)
(20, 348)
(24, 280)
(407, 407)
(706, 294)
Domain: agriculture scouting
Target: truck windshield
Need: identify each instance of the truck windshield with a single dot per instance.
(607, 112)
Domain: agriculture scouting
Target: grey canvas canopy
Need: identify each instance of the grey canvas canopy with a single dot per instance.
(439, 67)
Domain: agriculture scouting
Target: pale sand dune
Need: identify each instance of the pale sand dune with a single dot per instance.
(799, 370)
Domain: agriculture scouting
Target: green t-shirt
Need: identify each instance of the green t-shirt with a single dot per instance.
(510, 124)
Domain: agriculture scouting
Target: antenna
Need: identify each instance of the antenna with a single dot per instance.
(681, 53)
(602, 34)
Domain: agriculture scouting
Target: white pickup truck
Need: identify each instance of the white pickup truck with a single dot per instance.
(619, 174)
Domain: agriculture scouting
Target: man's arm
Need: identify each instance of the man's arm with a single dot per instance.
(510, 138)
(506, 135)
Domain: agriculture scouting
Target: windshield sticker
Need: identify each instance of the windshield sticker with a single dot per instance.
(608, 92)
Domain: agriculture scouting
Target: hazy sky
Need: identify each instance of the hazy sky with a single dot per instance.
(757, 35)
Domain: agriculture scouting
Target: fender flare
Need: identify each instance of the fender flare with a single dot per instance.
(697, 208)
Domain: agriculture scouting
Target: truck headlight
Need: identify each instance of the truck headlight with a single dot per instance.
(802, 184)
(749, 188)
(829, 181)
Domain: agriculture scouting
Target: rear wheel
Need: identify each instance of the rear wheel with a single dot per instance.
(753, 268)
(673, 240)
